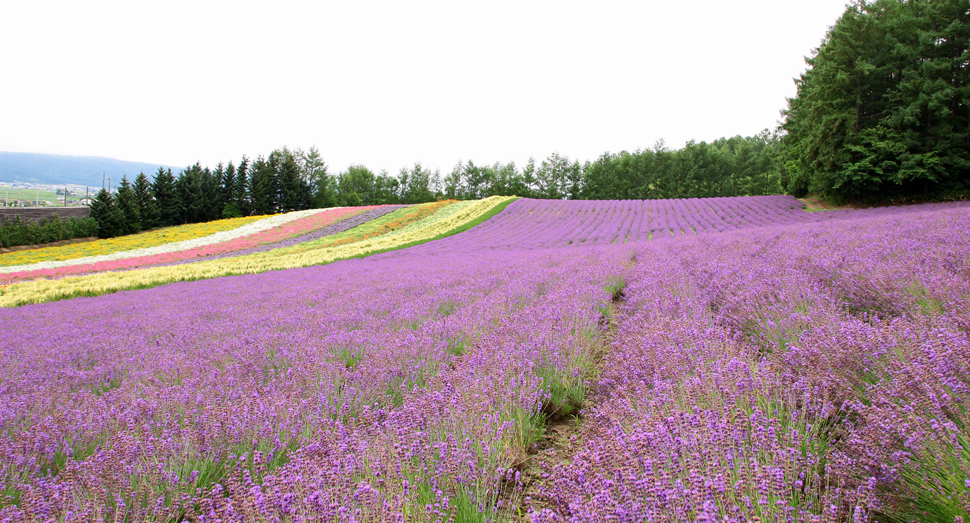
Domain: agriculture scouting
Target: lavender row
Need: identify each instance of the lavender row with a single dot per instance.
(536, 224)
(348, 392)
(806, 373)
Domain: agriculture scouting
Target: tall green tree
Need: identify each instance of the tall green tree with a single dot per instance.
(263, 187)
(313, 173)
(416, 184)
(145, 199)
(455, 184)
(292, 193)
(166, 196)
(884, 107)
(228, 192)
(240, 195)
(110, 219)
(127, 203)
(356, 186)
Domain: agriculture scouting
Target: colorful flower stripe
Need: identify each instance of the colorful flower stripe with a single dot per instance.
(300, 226)
(125, 243)
(375, 239)
(258, 226)
(392, 222)
(343, 225)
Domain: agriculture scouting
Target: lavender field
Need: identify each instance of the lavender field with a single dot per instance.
(730, 359)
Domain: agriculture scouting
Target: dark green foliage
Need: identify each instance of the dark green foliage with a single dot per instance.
(239, 194)
(107, 215)
(356, 186)
(232, 210)
(291, 191)
(883, 112)
(166, 198)
(738, 166)
(147, 206)
(18, 232)
(262, 187)
(416, 185)
(386, 189)
(127, 204)
(190, 190)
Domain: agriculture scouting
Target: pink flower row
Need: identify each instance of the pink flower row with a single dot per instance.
(283, 232)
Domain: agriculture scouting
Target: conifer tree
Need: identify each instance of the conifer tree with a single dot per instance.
(147, 206)
(166, 197)
(109, 218)
(287, 173)
(883, 109)
(127, 204)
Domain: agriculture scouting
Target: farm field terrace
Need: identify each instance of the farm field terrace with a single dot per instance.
(560, 361)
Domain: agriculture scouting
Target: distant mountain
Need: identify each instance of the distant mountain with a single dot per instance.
(75, 170)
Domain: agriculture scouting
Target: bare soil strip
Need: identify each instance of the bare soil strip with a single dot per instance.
(562, 437)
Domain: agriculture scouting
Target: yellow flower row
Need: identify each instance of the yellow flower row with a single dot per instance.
(125, 243)
(47, 290)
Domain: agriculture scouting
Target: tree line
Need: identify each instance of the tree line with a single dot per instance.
(292, 180)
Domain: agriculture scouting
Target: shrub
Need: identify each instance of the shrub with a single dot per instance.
(18, 232)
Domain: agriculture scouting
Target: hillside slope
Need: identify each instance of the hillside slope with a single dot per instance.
(74, 170)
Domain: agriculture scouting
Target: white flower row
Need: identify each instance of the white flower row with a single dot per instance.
(218, 237)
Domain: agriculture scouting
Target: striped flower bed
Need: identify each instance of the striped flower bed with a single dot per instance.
(391, 234)
(212, 239)
(305, 221)
(125, 243)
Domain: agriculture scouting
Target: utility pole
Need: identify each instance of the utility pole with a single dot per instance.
(102, 180)
(37, 201)
(65, 196)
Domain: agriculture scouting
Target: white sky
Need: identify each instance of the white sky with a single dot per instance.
(386, 84)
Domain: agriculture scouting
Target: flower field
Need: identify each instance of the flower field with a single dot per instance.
(730, 359)
(126, 243)
(402, 226)
(262, 232)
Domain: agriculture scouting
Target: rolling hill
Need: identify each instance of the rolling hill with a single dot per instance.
(58, 169)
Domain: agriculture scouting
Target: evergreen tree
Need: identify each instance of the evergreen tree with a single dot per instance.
(883, 109)
(127, 203)
(241, 192)
(166, 197)
(263, 187)
(287, 172)
(108, 216)
(147, 206)
(221, 198)
(228, 193)
(313, 174)
(190, 190)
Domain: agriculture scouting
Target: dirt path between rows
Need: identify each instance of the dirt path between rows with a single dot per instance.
(562, 438)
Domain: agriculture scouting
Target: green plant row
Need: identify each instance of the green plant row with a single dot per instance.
(18, 232)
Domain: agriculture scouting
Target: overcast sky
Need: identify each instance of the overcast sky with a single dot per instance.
(386, 84)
